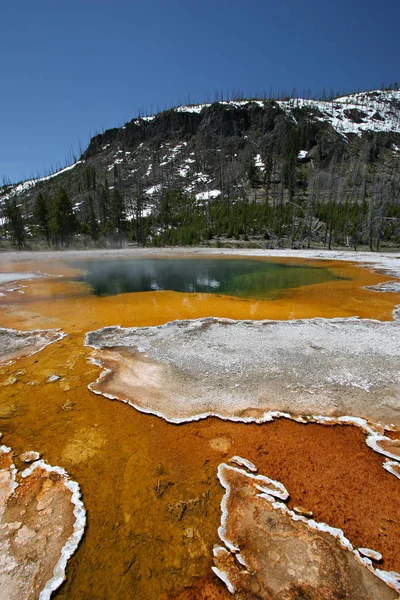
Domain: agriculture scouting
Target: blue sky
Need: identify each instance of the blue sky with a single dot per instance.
(70, 69)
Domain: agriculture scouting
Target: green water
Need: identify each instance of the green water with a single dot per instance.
(259, 279)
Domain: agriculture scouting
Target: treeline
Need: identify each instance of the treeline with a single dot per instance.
(58, 223)
(53, 220)
(183, 221)
(180, 219)
(287, 204)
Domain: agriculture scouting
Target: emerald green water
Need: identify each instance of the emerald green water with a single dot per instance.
(258, 279)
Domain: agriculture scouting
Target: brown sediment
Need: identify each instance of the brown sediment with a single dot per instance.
(37, 515)
(205, 588)
(271, 553)
(139, 545)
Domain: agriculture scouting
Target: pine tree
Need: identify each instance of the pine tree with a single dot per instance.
(63, 221)
(42, 216)
(15, 223)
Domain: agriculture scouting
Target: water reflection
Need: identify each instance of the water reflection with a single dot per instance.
(259, 279)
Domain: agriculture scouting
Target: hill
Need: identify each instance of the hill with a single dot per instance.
(291, 172)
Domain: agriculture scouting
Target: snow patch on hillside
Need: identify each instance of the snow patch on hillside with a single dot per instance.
(366, 111)
(117, 161)
(172, 154)
(153, 190)
(197, 108)
(29, 183)
(209, 195)
(302, 154)
(259, 162)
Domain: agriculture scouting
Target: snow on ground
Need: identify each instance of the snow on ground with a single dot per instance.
(117, 161)
(366, 111)
(194, 108)
(153, 189)
(209, 195)
(197, 108)
(373, 110)
(259, 162)
(29, 183)
(173, 152)
(302, 154)
(201, 178)
(183, 171)
(185, 168)
(77, 205)
(146, 212)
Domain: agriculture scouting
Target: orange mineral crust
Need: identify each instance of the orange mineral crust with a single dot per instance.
(153, 520)
(150, 487)
(270, 552)
(206, 588)
(71, 305)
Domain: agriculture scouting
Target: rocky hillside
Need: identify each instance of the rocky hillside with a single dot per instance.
(298, 170)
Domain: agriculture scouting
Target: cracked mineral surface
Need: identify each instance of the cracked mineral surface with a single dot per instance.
(41, 522)
(15, 344)
(271, 553)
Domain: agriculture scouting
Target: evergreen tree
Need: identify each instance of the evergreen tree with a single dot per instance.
(15, 223)
(63, 221)
(42, 216)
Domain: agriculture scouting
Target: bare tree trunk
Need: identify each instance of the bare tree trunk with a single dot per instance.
(310, 215)
(371, 215)
(293, 234)
(331, 192)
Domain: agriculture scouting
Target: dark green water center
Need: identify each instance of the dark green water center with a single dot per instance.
(259, 279)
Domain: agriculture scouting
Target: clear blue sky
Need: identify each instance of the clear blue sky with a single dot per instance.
(71, 68)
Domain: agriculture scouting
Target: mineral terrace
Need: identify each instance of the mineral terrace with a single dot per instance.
(241, 370)
(41, 523)
(270, 552)
(15, 344)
